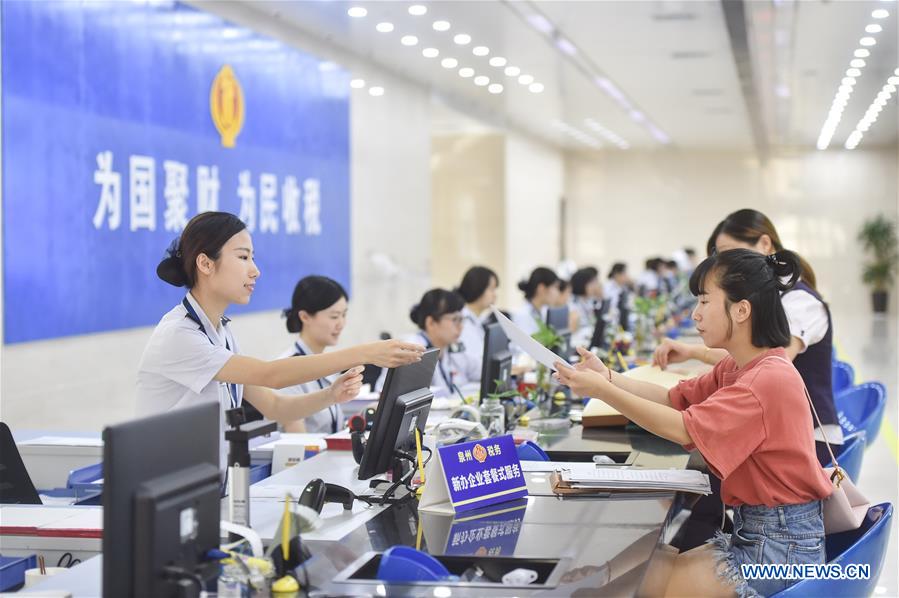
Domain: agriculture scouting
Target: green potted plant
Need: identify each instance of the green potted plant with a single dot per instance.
(878, 236)
(549, 338)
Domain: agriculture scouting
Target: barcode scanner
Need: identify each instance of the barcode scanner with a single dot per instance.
(318, 492)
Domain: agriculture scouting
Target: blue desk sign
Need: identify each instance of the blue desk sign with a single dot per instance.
(491, 531)
(473, 475)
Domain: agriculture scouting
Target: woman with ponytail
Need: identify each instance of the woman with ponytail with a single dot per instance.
(541, 290)
(192, 355)
(748, 419)
(478, 290)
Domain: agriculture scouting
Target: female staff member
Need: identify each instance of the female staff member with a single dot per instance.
(746, 417)
(192, 356)
(587, 297)
(317, 314)
(540, 291)
(478, 290)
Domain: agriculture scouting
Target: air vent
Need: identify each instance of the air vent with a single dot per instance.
(689, 54)
(674, 16)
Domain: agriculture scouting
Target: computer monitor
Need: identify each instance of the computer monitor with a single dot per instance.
(161, 498)
(497, 362)
(557, 319)
(16, 487)
(403, 406)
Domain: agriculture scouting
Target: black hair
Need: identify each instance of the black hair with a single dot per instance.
(744, 274)
(690, 251)
(617, 268)
(475, 283)
(582, 278)
(540, 275)
(671, 264)
(563, 285)
(312, 294)
(206, 233)
(436, 303)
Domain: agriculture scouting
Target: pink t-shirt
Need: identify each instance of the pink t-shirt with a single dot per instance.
(754, 429)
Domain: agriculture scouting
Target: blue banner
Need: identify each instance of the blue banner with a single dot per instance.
(482, 472)
(123, 120)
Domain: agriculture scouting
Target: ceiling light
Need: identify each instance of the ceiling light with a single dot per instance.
(637, 116)
(862, 53)
(512, 71)
(566, 46)
(540, 23)
(896, 72)
(466, 72)
(495, 88)
(481, 80)
(376, 91)
(857, 63)
(416, 10)
(848, 81)
(430, 52)
(384, 27)
(873, 28)
(853, 72)
(498, 61)
(441, 25)
(525, 79)
(893, 80)
(535, 87)
(449, 63)
(357, 12)
(357, 83)
(867, 41)
(409, 40)
(480, 50)
(462, 39)
(880, 14)
(892, 86)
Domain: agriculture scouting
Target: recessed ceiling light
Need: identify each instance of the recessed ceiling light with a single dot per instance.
(357, 12)
(873, 28)
(535, 87)
(462, 39)
(498, 61)
(512, 71)
(481, 80)
(357, 83)
(893, 80)
(896, 72)
(441, 25)
(857, 63)
(449, 63)
(480, 50)
(525, 79)
(466, 72)
(867, 41)
(430, 52)
(495, 88)
(891, 87)
(384, 27)
(417, 10)
(880, 14)
(848, 81)
(853, 72)
(862, 53)
(409, 40)
(376, 91)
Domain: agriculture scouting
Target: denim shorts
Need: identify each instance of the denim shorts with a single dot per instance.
(789, 534)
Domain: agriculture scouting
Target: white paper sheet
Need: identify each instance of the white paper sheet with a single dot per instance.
(526, 343)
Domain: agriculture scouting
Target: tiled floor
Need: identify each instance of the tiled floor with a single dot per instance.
(869, 344)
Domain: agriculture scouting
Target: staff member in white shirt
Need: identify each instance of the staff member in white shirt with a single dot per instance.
(193, 357)
(540, 291)
(317, 315)
(478, 290)
(586, 293)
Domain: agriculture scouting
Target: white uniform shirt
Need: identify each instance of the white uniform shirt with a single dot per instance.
(612, 291)
(472, 338)
(525, 317)
(322, 421)
(453, 370)
(179, 364)
(585, 308)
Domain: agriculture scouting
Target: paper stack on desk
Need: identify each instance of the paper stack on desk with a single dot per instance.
(588, 477)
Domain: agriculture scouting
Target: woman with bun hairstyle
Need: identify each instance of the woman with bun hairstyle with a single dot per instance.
(439, 319)
(748, 419)
(192, 355)
(317, 315)
(478, 290)
(541, 290)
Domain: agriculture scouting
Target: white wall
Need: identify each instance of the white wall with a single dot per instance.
(817, 201)
(87, 382)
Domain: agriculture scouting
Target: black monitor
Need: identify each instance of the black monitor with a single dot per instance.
(557, 319)
(16, 487)
(404, 405)
(497, 362)
(161, 499)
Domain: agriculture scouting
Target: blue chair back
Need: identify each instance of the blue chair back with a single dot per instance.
(850, 454)
(861, 408)
(842, 376)
(530, 451)
(865, 545)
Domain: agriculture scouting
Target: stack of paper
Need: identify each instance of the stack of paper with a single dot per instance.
(588, 475)
(599, 414)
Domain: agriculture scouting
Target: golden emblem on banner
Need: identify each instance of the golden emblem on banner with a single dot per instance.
(226, 105)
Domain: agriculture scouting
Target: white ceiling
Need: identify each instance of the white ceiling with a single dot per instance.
(672, 63)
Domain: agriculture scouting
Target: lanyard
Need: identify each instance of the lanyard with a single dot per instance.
(333, 408)
(233, 390)
(447, 379)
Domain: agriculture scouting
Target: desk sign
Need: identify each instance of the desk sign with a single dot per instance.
(473, 475)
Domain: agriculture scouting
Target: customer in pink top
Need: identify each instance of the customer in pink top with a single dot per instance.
(746, 417)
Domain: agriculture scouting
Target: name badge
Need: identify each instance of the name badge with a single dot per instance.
(473, 475)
